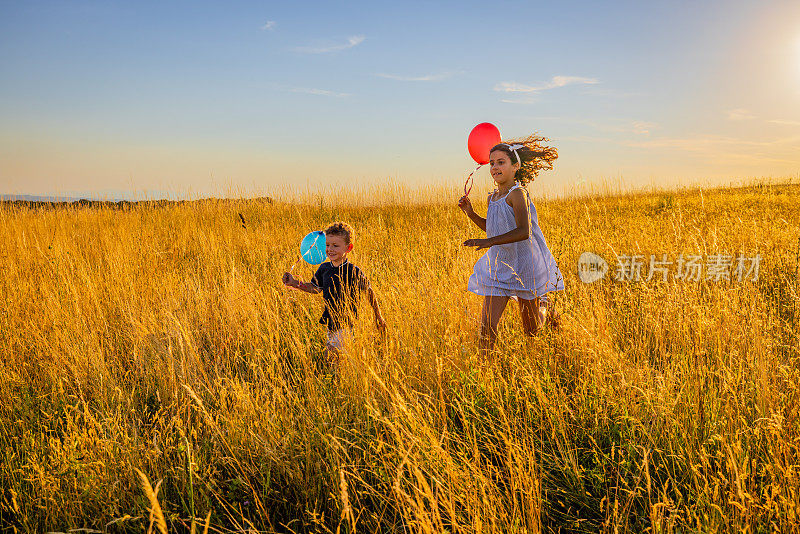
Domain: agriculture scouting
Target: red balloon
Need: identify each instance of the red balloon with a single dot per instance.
(481, 140)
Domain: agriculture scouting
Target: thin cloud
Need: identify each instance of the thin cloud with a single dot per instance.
(613, 93)
(740, 114)
(625, 126)
(610, 125)
(784, 122)
(351, 42)
(642, 127)
(428, 78)
(318, 92)
(722, 149)
(270, 25)
(699, 143)
(744, 114)
(555, 82)
(520, 101)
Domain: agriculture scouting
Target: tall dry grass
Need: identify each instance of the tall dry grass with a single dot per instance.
(157, 344)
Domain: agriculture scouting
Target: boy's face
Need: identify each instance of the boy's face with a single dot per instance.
(336, 248)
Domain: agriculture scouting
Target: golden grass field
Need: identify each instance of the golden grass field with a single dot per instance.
(159, 339)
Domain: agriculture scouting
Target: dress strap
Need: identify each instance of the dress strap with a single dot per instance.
(524, 190)
(515, 186)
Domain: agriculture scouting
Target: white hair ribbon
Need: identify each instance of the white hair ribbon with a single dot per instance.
(514, 148)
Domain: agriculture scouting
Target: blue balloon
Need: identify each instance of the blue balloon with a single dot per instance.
(312, 248)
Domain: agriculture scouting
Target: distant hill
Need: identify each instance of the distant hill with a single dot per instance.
(34, 198)
(51, 202)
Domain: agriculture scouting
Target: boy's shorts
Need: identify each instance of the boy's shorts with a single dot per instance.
(336, 339)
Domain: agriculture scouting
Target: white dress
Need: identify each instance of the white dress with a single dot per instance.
(524, 269)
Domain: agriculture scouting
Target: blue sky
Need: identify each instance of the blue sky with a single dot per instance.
(197, 98)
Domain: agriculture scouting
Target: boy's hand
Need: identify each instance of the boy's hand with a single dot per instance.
(479, 244)
(289, 280)
(380, 324)
(465, 204)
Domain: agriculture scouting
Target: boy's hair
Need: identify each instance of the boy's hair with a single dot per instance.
(341, 229)
(534, 155)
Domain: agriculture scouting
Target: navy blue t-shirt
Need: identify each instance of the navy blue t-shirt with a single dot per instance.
(341, 288)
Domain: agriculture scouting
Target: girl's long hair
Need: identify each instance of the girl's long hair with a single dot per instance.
(535, 156)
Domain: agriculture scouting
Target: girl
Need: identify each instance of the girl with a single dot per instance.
(518, 263)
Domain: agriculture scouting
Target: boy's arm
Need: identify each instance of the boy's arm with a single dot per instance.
(307, 287)
(373, 301)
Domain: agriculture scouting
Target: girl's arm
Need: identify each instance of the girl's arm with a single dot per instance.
(519, 203)
(522, 216)
(466, 205)
(296, 283)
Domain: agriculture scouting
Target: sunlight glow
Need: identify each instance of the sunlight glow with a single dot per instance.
(797, 56)
(797, 53)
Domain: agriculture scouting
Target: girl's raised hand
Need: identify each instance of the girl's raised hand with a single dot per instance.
(465, 204)
(479, 244)
(288, 280)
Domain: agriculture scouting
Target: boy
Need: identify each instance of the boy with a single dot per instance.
(341, 284)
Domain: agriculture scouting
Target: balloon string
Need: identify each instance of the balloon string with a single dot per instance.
(292, 269)
(470, 181)
(313, 244)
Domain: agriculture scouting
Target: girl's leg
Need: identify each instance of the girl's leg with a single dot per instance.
(490, 317)
(534, 314)
(553, 317)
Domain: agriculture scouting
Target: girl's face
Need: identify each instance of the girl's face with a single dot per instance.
(501, 167)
